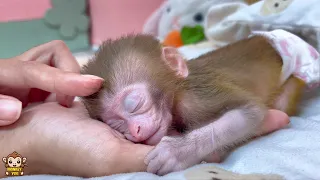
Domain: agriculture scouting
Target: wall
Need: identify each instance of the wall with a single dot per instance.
(112, 18)
(23, 25)
(17, 10)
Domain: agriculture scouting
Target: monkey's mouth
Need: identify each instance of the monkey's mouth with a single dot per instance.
(155, 138)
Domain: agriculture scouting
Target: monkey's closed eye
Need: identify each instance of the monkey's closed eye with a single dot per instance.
(132, 102)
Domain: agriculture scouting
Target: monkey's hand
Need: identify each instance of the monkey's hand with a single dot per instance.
(172, 154)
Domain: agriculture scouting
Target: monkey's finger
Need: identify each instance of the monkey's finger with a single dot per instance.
(10, 110)
(167, 167)
(153, 154)
(154, 166)
(156, 159)
(19, 74)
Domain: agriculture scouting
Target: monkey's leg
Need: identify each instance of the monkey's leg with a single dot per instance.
(273, 121)
(290, 96)
(178, 153)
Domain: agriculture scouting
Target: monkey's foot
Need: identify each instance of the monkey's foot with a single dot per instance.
(215, 157)
(274, 120)
(172, 154)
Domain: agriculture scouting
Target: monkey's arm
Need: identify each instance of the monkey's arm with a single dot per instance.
(180, 152)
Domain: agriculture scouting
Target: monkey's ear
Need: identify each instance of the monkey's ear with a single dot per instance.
(175, 61)
(24, 160)
(4, 160)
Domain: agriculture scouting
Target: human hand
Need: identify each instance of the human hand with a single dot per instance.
(33, 75)
(65, 141)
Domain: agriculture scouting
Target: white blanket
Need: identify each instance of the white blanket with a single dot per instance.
(293, 152)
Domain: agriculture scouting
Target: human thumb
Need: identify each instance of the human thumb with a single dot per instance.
(10, 110)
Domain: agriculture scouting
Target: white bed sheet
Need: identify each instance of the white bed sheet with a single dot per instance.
(293, 152)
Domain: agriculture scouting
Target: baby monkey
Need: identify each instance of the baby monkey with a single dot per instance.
(215, 101)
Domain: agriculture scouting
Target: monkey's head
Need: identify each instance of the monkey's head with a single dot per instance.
(141, 80)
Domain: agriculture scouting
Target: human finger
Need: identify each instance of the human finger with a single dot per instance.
(57, 54)
(10, 110)
(19, 93)
(54, 53)
(19, 74)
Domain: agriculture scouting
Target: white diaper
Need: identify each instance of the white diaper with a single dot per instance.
(299, 58)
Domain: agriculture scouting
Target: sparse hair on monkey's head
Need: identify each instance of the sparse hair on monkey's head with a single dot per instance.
(131, 59)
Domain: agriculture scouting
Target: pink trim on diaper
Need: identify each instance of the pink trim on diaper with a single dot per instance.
(299, 58)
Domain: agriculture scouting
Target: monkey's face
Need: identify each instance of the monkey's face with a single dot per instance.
(138, 113)
(14, 162)
(140, 81)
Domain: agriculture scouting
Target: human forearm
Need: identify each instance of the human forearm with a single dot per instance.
(131, 158)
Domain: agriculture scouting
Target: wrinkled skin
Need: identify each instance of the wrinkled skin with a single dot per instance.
(132, 109)
(56, 130)
(170, 153)
(137, 117)
(38, 72)
(74, 138)
(173, 152)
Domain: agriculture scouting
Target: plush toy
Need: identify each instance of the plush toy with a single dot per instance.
(180, 22)
(231, 22)
(174, 15)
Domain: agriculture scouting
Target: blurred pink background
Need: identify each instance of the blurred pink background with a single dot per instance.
(18, 10)
(109, 18)
(112, 18)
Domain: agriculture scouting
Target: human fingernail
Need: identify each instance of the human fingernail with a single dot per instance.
(92, 77)
(94, 82)
(10, 110)
(69, 100)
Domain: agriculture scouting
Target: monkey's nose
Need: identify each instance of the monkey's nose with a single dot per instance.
(136, 132)
(140, 131)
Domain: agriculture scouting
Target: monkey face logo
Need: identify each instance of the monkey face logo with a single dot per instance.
(14, 164)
